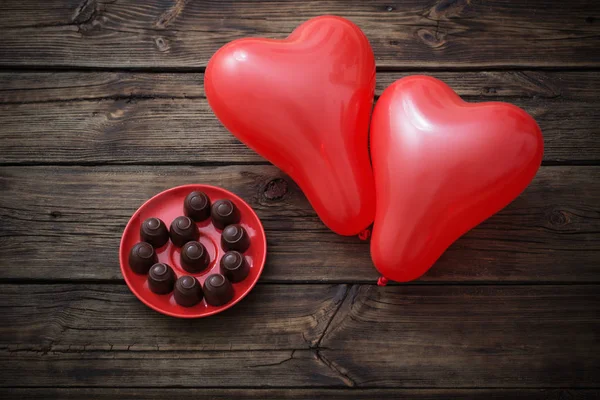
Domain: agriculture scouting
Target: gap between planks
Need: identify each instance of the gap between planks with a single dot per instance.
(381, 68)
(38, 281)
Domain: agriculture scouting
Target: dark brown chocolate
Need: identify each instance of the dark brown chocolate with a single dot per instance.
(142, 257)
(161, 278)
(224, 213)
(155, 232)
(183, 230)
(234, 266)
(197, 206)
(235, 237)
(194, 257)
(217, 290)
(188, 291)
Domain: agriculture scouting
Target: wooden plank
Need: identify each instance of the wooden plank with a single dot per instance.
(261, 394)
(278, 368)
(86, 318)
(466, 336)
(35, 87)
(408, 34)
(505, 85)
(402, 336)
(66, 223)
(163, 118)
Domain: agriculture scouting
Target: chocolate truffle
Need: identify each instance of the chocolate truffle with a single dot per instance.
(155, 232)
(194, 257)
(234, 237)
(161, 278)
(234, 266)
(224, 213)
(197, 206)
(142, 257)
(217, 290)
(188, 291)
(183, 230)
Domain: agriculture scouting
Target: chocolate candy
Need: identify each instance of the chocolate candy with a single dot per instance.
(188, 291)
(197, 206)
(142, 257)
(194, 257)
(183, 230)
(155, 232)
(224, 213)
(234, 237)
(161, 278)
(234, 266)
(217, 290)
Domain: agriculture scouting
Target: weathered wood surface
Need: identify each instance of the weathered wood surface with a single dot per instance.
(101, 317)
(37, 87)
(510, 309)
(407, 34)
(66, 222)
(278, 368)
(159, 118)
(401, 336)
(524, 336)
(262, 394)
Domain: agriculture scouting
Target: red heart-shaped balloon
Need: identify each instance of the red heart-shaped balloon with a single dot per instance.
(303, 103)
(441, 167)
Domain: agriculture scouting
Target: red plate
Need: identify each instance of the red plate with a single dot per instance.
(167, 206)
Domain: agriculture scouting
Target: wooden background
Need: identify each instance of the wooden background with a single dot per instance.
(102, 106)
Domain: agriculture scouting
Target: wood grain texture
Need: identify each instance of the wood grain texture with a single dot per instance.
(37, 87)
(67, 222)
(523, 336)
(163, 118)
(184, 34)
(87, 318)
(402, 336)
(277, 368)
(330, 394)
(111, 110)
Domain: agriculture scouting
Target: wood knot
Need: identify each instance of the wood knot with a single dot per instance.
(389, 8)
(275, 189)
(489, 91)
(448, 8)
(432, 39)
(162, 44)
(590, 20)
(394, 42)
(55, 214)
(117, 113)
(85, 13)
(559, 218)
(171, 14)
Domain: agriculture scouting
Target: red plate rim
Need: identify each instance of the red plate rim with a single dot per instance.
(123, 253)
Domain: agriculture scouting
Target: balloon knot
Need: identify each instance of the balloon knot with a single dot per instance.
(382, 281)
(365, 234)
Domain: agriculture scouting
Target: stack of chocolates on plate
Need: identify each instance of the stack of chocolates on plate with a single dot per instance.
(194, 257)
